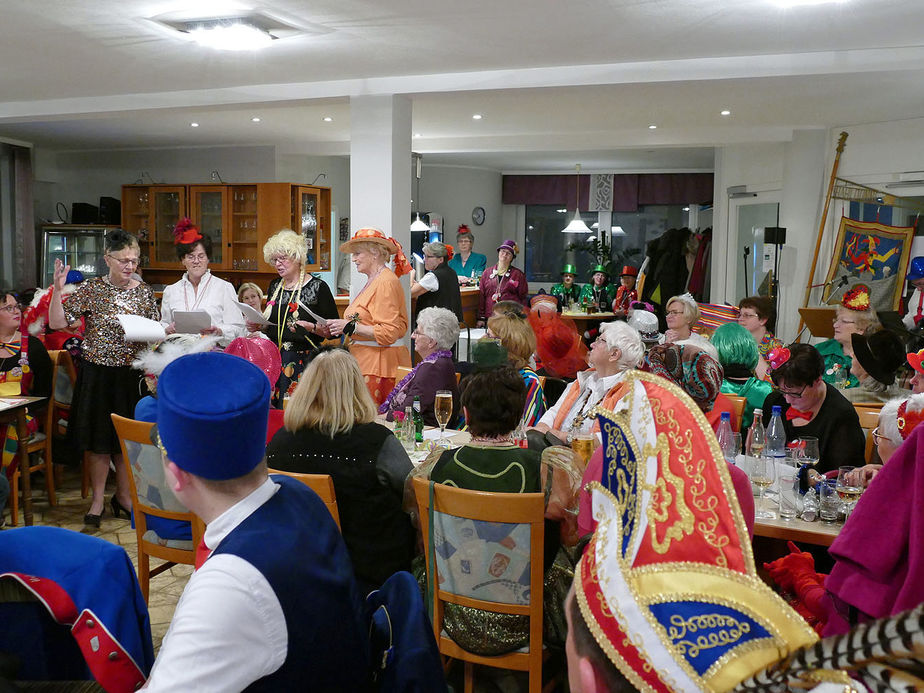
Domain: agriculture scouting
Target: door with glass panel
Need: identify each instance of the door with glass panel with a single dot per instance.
(750, 260)
(208, 210)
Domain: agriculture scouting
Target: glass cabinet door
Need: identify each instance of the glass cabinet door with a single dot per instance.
(310, 220)
(208, 210)
(168, 206)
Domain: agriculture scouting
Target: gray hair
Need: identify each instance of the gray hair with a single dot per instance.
(467, 234)
(440, 325)
(436, 249)
(621, 335)
(888, 416)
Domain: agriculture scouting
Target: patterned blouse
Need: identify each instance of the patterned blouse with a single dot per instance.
(768, 344)
(99, 301)
(535, 399)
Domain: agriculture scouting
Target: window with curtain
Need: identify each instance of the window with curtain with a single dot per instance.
(547, 247)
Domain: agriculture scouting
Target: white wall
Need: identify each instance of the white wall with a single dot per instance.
(877, 152)
(454, 191)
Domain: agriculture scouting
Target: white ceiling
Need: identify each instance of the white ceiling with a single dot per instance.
(557, 82)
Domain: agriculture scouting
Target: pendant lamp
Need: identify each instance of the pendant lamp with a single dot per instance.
(577, 224)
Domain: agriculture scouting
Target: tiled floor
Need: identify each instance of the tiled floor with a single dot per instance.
(166, 588)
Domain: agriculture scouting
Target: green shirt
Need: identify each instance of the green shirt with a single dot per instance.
(836, 360)
(566, 294)
(602, 297)
(754, 391)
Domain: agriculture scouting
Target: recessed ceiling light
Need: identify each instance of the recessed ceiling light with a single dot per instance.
(725, 112)
(230, 35)
(561, 211)
(802, 3)
(194, 125)
(417, 134)
(327, 119)
(477, 116)
(652, 127)
(255, 119)
(686, 209)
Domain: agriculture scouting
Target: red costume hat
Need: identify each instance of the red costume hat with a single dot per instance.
(915, 360)
(629, 271)
(856, 298)
(185, 232)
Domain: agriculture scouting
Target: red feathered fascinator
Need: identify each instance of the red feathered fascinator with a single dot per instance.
(186, 232)
(463, 229)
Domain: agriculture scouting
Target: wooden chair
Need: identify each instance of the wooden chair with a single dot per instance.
(452, 506)
(41, 443)
(62, 394)
(739, 404)
(152, 496)
(869, 419)
(401, 372)
(322, 484)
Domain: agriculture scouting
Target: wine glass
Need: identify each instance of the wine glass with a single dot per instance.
(809, 447)
(442, 408)
(848, 492)
(762, 472)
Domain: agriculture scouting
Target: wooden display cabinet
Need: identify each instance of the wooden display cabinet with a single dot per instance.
(239, 218)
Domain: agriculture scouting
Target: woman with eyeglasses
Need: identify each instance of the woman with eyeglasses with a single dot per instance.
(682, 313)
(25, 369)
(106, 382)
(855, 315)
(757, 315)
(199, 290)
(290, 296)
(812, 407)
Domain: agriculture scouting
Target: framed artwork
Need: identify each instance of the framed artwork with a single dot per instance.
(873, 254)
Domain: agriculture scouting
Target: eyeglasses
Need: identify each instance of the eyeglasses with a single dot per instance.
(198, 257)
(675, 312)
(127, 262)
(15, 308)
(842, 321)
(877, 436)
(747, 316)
(284, 260)
(794, 394)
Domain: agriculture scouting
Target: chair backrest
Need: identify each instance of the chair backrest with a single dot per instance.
(63, 387)
(869, 419)
(738, 404)
(150, 492)
(400, 373)
(322, 484)
(490, 553)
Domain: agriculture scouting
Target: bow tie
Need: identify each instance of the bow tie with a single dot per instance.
(11, 346)
(793, 413)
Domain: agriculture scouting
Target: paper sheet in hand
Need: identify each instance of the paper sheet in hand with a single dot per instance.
(252, 315)
(191, 321)
(317, 318)
(139, 329)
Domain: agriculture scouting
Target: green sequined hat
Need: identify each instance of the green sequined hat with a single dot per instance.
(569, 269)
(600, 268)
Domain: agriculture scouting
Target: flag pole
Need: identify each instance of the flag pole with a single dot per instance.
(841, 141)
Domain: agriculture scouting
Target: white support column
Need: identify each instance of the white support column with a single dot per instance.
(380, 163)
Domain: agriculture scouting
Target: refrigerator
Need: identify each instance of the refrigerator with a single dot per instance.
(80, 246)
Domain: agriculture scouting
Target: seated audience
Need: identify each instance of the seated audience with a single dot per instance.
(492, 399)
(330, 428)
(626, 294)
(598, 293)
(566, 291)
(917, 380)
(278, 582)
(682, 313)
(436, 333)
(739, 357)
(897, 419)
(645, 321)
(813, 407)
(252, 295)
(876, 358)
(757, 315)
(559, 347)
(617, 349)
(516, 336)
(855, 315)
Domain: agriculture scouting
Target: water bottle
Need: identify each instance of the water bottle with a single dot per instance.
(776, 438)
(418, 420)
(727, 438)
(407, 430)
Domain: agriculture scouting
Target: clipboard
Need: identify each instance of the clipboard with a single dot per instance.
(191, 321)
(820, 321)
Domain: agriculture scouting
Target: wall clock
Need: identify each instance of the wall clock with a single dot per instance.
(478, 215)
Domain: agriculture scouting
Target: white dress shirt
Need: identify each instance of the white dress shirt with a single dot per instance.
(592, 390)
(228, 629)
(429, 282)
(215, 296)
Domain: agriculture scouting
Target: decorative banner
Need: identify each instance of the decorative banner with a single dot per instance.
(600, 197)
(873, 254)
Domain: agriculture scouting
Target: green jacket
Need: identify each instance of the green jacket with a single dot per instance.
(754, 391)
(603, 296)
(566, 294)
(835, 360)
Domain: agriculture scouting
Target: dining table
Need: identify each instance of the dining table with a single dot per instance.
(798, 530)
(13, 410)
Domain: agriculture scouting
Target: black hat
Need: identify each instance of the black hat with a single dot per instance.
(880, 354)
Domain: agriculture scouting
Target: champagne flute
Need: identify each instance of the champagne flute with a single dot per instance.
(442, 408)
(809, 447)
(762, 473)
(848, 492)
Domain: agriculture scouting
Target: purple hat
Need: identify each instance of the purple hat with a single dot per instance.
(510, 245)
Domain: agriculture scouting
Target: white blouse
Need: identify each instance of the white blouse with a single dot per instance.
(214, 296)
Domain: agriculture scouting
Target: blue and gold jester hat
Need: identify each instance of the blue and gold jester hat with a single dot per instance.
(667, 584)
